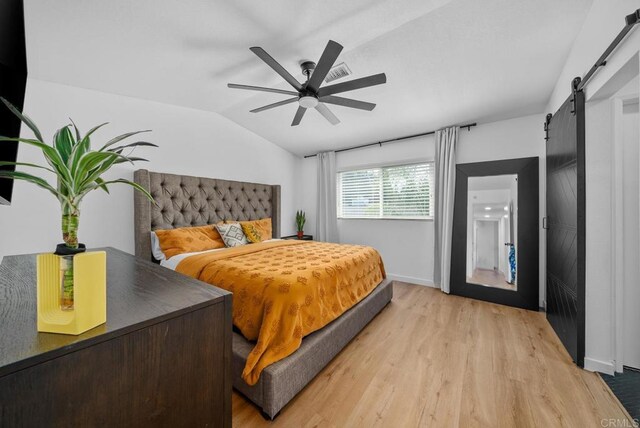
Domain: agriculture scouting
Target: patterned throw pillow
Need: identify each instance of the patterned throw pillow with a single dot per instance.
(257, 230)
(252, 233)
(232, 234)
(188, 240)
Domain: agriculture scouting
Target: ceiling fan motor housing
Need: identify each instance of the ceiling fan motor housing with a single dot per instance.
(308, 99)
(307, 68)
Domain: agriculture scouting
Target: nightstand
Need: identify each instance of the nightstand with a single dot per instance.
(304, 237)
(163, 358)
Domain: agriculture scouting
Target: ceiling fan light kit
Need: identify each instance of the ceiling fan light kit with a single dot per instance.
(308, 101)
(310, 94)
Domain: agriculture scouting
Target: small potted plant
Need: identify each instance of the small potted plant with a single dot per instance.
(78, 170)
(301, 219)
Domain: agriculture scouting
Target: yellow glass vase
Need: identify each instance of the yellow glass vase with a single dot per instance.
(89, 293)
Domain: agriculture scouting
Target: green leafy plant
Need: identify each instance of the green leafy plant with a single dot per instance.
(301, 219)
(76, 167)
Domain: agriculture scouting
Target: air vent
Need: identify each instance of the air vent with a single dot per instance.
(338, 72)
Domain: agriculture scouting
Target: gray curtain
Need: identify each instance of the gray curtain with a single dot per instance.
(445, 185)
(326, 206)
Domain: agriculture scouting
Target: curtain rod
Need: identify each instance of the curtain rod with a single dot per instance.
(380, 143)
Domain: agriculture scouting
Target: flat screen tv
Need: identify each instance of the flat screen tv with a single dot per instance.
(13, 80)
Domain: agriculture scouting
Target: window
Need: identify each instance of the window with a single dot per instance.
(403, 191)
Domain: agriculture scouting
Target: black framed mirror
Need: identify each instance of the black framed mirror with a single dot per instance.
(495, 247)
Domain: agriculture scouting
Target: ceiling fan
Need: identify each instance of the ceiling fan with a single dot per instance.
(310, 94)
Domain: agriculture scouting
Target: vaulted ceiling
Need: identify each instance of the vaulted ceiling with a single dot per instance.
(446, 61)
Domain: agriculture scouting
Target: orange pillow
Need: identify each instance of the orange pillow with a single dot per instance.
(257, 230)
(188, 240)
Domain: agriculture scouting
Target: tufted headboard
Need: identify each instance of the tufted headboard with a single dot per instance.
(194, 201)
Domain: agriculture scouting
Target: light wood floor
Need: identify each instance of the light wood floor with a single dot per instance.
(490, 278)
(430, 359)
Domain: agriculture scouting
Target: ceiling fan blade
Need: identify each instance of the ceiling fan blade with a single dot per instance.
(328, 58)
(363, 82)
(263, 55)
(278, 104)
(327, 114)
(298, 117)
(347, 102)
(260, 88)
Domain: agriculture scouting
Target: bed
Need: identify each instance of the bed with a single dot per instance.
(194, 201)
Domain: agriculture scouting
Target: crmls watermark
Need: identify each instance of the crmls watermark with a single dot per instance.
(620, 423)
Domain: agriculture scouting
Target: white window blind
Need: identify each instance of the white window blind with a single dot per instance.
(403, 191)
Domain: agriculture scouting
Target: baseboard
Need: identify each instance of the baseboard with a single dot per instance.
(593, 365)
(411, 279)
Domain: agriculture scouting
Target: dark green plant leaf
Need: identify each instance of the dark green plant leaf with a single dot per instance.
(132, 160)
(77, 130)
(24, 118)
(132, 184)
(89, 161)
(100, 182)
(94, 129)
(78, 152)
(83, 147)
(50, 154)
(119, 138)
(64, 142)
(136, 144)
(38, 181)
(32, 165)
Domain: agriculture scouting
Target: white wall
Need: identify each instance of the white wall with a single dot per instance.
(603, 23)
(191, 142)
(407, 245)
(487, 244)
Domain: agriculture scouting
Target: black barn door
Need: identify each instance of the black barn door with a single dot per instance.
(565, 225)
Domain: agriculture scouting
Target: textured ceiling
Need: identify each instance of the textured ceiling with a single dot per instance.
(447, 61)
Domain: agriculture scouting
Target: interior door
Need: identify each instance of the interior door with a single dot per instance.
(565, 224)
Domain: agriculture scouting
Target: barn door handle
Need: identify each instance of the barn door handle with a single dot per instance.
(545, 223)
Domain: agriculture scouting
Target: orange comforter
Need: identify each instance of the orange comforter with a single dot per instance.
(285, 290)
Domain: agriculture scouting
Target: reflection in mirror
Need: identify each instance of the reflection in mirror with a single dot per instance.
(492, 228)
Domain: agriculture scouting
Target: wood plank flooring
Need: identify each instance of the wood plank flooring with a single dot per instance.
(490, 278)
(431, 359)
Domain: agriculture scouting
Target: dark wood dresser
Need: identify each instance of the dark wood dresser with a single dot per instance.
(162, 359)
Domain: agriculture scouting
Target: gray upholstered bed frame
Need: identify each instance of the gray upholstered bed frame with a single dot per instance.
(192, 201)
(184, 201)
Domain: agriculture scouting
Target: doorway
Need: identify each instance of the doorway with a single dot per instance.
(495, 232)
(613, 229)
(631, 247)
(626, 163)
(491, 249)
(616, 113)
(624, 376)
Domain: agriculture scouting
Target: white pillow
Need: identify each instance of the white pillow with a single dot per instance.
(155, 247)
